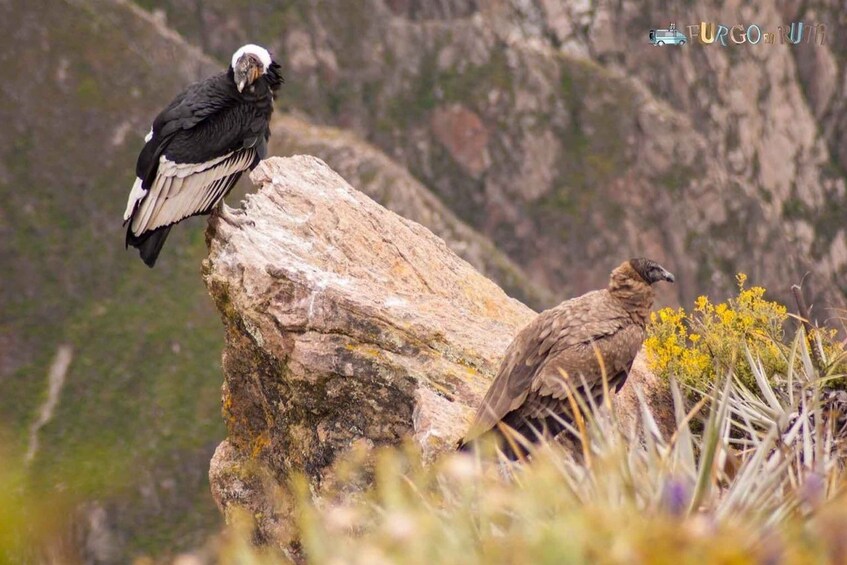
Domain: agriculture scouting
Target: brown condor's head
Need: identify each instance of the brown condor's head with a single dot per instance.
(248, 64)
(650, 271)
(632, 284)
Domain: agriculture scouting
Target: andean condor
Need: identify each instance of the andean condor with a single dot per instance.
(530, 397)
(199, 146)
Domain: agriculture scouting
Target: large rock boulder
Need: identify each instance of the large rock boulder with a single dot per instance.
(346, 325)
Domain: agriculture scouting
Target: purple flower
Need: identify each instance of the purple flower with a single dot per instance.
(676, 496)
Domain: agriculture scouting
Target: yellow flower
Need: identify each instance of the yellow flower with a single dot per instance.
(690, 346)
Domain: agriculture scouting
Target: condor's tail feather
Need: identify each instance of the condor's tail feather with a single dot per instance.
(149, 244)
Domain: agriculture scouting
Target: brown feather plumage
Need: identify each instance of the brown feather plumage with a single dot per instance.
(529, 393)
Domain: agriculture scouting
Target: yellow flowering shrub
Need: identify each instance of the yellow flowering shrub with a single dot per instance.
(672, 350)
(695, 346)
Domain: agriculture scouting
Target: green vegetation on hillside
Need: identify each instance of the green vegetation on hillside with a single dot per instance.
(138, 416)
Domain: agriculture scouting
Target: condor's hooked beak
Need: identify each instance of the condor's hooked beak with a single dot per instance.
(246, 71)
(668, 276)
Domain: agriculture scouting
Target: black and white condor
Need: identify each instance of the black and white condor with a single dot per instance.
(199, 146)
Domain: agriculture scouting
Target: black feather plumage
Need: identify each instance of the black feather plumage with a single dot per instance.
(199, 146)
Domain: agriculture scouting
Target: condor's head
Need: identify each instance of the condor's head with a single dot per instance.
(650, 271)
(250, 63)
(632, 283)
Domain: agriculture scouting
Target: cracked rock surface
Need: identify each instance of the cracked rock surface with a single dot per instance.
(346, 325)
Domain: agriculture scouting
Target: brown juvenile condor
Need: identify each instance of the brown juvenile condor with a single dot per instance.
(528, 394)
(198, 147)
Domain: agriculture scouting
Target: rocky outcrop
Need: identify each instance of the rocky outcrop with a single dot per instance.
(346, 321)
(346, 325)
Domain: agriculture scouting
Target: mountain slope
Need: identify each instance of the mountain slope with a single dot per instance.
(556, 129)
(137, 417)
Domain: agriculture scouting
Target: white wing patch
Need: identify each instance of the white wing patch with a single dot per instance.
(181, 190)
(136, 194)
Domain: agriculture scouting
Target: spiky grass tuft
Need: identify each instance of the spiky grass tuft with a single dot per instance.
(759, 481)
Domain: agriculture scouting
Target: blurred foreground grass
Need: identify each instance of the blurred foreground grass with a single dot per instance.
(752, 474)
(760, 481)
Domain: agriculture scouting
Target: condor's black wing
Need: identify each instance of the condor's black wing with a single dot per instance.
(200, 146)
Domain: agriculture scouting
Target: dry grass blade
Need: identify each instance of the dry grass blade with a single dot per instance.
(578, 419)
(710, 449)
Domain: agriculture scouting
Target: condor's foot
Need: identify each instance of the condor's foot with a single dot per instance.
(232, 216)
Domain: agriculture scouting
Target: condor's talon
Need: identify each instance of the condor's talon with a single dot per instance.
(233, 216)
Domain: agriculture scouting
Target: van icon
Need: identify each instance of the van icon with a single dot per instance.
(667, 36)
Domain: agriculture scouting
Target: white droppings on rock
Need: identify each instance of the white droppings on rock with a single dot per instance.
(394, 302)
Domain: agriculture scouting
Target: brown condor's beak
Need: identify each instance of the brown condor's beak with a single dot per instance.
(668, 276)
